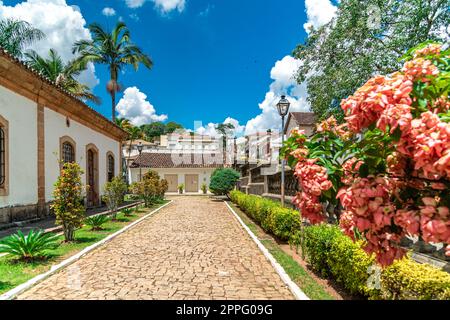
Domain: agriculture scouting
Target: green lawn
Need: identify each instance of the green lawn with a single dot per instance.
(306, 283)
(14, 272)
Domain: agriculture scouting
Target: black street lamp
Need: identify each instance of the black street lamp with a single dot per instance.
(283, 109)
(140, 147)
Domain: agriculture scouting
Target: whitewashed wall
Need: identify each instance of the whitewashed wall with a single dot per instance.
(204, 174)
(21, 114)
(55, 128)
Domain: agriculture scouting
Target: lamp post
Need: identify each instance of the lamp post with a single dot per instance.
(283, 109)
(140, 147)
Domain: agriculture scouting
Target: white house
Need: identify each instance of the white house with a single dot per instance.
(41, 124)
(190, 169)
(302, 120)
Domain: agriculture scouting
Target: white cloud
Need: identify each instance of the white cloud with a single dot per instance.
(164, 6)
(63, 25)
(135, 107)
(210, 128)
(134, 3)
(109, 12)
(284, 83)
(319, 12)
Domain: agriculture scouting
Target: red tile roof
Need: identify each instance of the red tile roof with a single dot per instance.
(177, 160)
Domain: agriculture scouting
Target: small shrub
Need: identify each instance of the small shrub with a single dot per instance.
(151, 189)
(29, 247)
(223, 180)
(114, 193)
(204, 188)
(180, 188)
(96, 222)
(407, 279)
(68, 200)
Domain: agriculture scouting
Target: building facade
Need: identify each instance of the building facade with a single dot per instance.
(40, 126)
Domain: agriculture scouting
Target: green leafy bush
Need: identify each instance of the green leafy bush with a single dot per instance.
(204, 188)
(281, 222)
(151, 188)
(96, 222)
(335, 255)
(406, 279)
(223, 180)
(29, 247)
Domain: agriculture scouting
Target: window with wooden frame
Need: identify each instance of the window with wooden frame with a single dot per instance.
(67, 149)
(4, 156)
(110, 163)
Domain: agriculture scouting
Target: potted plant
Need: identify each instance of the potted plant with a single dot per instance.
(180, 188)
(204, 188)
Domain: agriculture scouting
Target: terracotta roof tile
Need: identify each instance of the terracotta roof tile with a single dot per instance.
(176, 160)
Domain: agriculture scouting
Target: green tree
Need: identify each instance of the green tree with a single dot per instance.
(223, 180)
(154, 129)
(16, 35)
(114, 49)
(68, 200)
(365, 38)
(63, 74)
(172, 126)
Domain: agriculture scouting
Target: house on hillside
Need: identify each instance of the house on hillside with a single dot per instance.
(41, 124)
(303, 120)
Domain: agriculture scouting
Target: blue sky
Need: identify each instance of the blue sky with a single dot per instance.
(213, 59)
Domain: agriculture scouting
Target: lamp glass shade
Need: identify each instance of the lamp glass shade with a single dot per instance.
(283, 106)
(140, 147)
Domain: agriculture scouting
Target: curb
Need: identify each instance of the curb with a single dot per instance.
(296, 291)
(34, 281)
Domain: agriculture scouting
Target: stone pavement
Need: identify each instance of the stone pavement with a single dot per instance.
(192, 249)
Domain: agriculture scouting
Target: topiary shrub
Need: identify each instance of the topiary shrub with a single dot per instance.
(223, 181)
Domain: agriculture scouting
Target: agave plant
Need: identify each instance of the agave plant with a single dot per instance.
(127, 212)
(96, 222)
(31, 246)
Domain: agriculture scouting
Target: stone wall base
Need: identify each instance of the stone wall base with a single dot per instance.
(23, 212)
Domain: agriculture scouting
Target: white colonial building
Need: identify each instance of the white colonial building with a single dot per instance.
(41, 125)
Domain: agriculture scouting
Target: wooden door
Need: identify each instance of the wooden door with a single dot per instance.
(191, 181)
(172, 180)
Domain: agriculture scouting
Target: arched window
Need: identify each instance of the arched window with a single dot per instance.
(67, 149)
(3, 157)
(68, 152)
(110, 166)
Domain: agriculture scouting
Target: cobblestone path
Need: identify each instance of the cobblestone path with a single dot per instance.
(192, 249)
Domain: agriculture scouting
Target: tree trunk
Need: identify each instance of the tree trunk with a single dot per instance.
(68, 233)
(113, 99)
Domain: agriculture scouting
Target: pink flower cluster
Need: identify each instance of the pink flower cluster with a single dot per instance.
(313, 180)
(330, 125)
(351, 169)
(428, 143)
(375, 99)
(420, 69)
(434, 221)
(431, 49)
(369, 208)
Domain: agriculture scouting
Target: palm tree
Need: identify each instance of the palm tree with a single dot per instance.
(63, 74)
(224, 129)
(114, 49)
(123, 123)
(15, 35)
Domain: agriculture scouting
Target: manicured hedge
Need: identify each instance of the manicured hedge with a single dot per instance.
(332, 253)
(335, 255)
(281, 222)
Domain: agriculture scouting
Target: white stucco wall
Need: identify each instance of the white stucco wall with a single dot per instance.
(55, 128)
(21, 114)
(204, 174)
